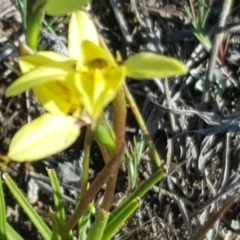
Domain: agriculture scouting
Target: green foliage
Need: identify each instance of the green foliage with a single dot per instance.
(29, 210)
(97, 228)
(3, 220)
(198, 19)
(133, 155)
(102, 225)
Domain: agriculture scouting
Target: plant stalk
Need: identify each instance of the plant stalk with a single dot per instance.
(86, 160)
(142, 125)
(95, 187)
(119, 125)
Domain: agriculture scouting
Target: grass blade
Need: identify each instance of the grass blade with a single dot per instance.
(30, 211)
(114, 225)
(3, 217)
(12, 234)
(139, 192)
(57, 195)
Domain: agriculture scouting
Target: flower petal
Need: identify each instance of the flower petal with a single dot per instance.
(43, 137)
(56, 98)
(93, 52)
(38, 77)
(81, 28)
(43, 58)
(62, 7)
(105, 88)
(150, 65)
(97, 89)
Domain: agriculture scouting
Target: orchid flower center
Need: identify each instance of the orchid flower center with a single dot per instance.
(98, 63)
(91, 66)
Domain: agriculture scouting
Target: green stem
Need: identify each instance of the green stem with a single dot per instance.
(95, 187)
(142, 125)
(86, 160)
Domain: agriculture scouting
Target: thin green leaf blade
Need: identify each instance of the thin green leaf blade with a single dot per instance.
(114, 225)
(56, 226)
(139, 192)
(12, 234)
(85, 221)
(27, 207)
(57, 195)
(3, 217)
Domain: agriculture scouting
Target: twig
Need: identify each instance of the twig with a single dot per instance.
(213, 218)
(121, 22)
(226, 162)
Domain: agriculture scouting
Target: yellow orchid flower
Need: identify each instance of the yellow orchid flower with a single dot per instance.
(89, 77)
(85, 82)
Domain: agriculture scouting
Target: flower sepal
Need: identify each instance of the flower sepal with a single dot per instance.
(150, 65)
(43, 137)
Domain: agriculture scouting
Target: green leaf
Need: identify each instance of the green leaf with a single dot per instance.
(57, 195)
(96, 230)
(12, 234)
(34, 17)
(85, 221)
(57, 225)
(3, 217)
(27, 207)
(139, 192)
(150, 65)
(62, 7)
(44, 136)
(114, 225)
(58, 217)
